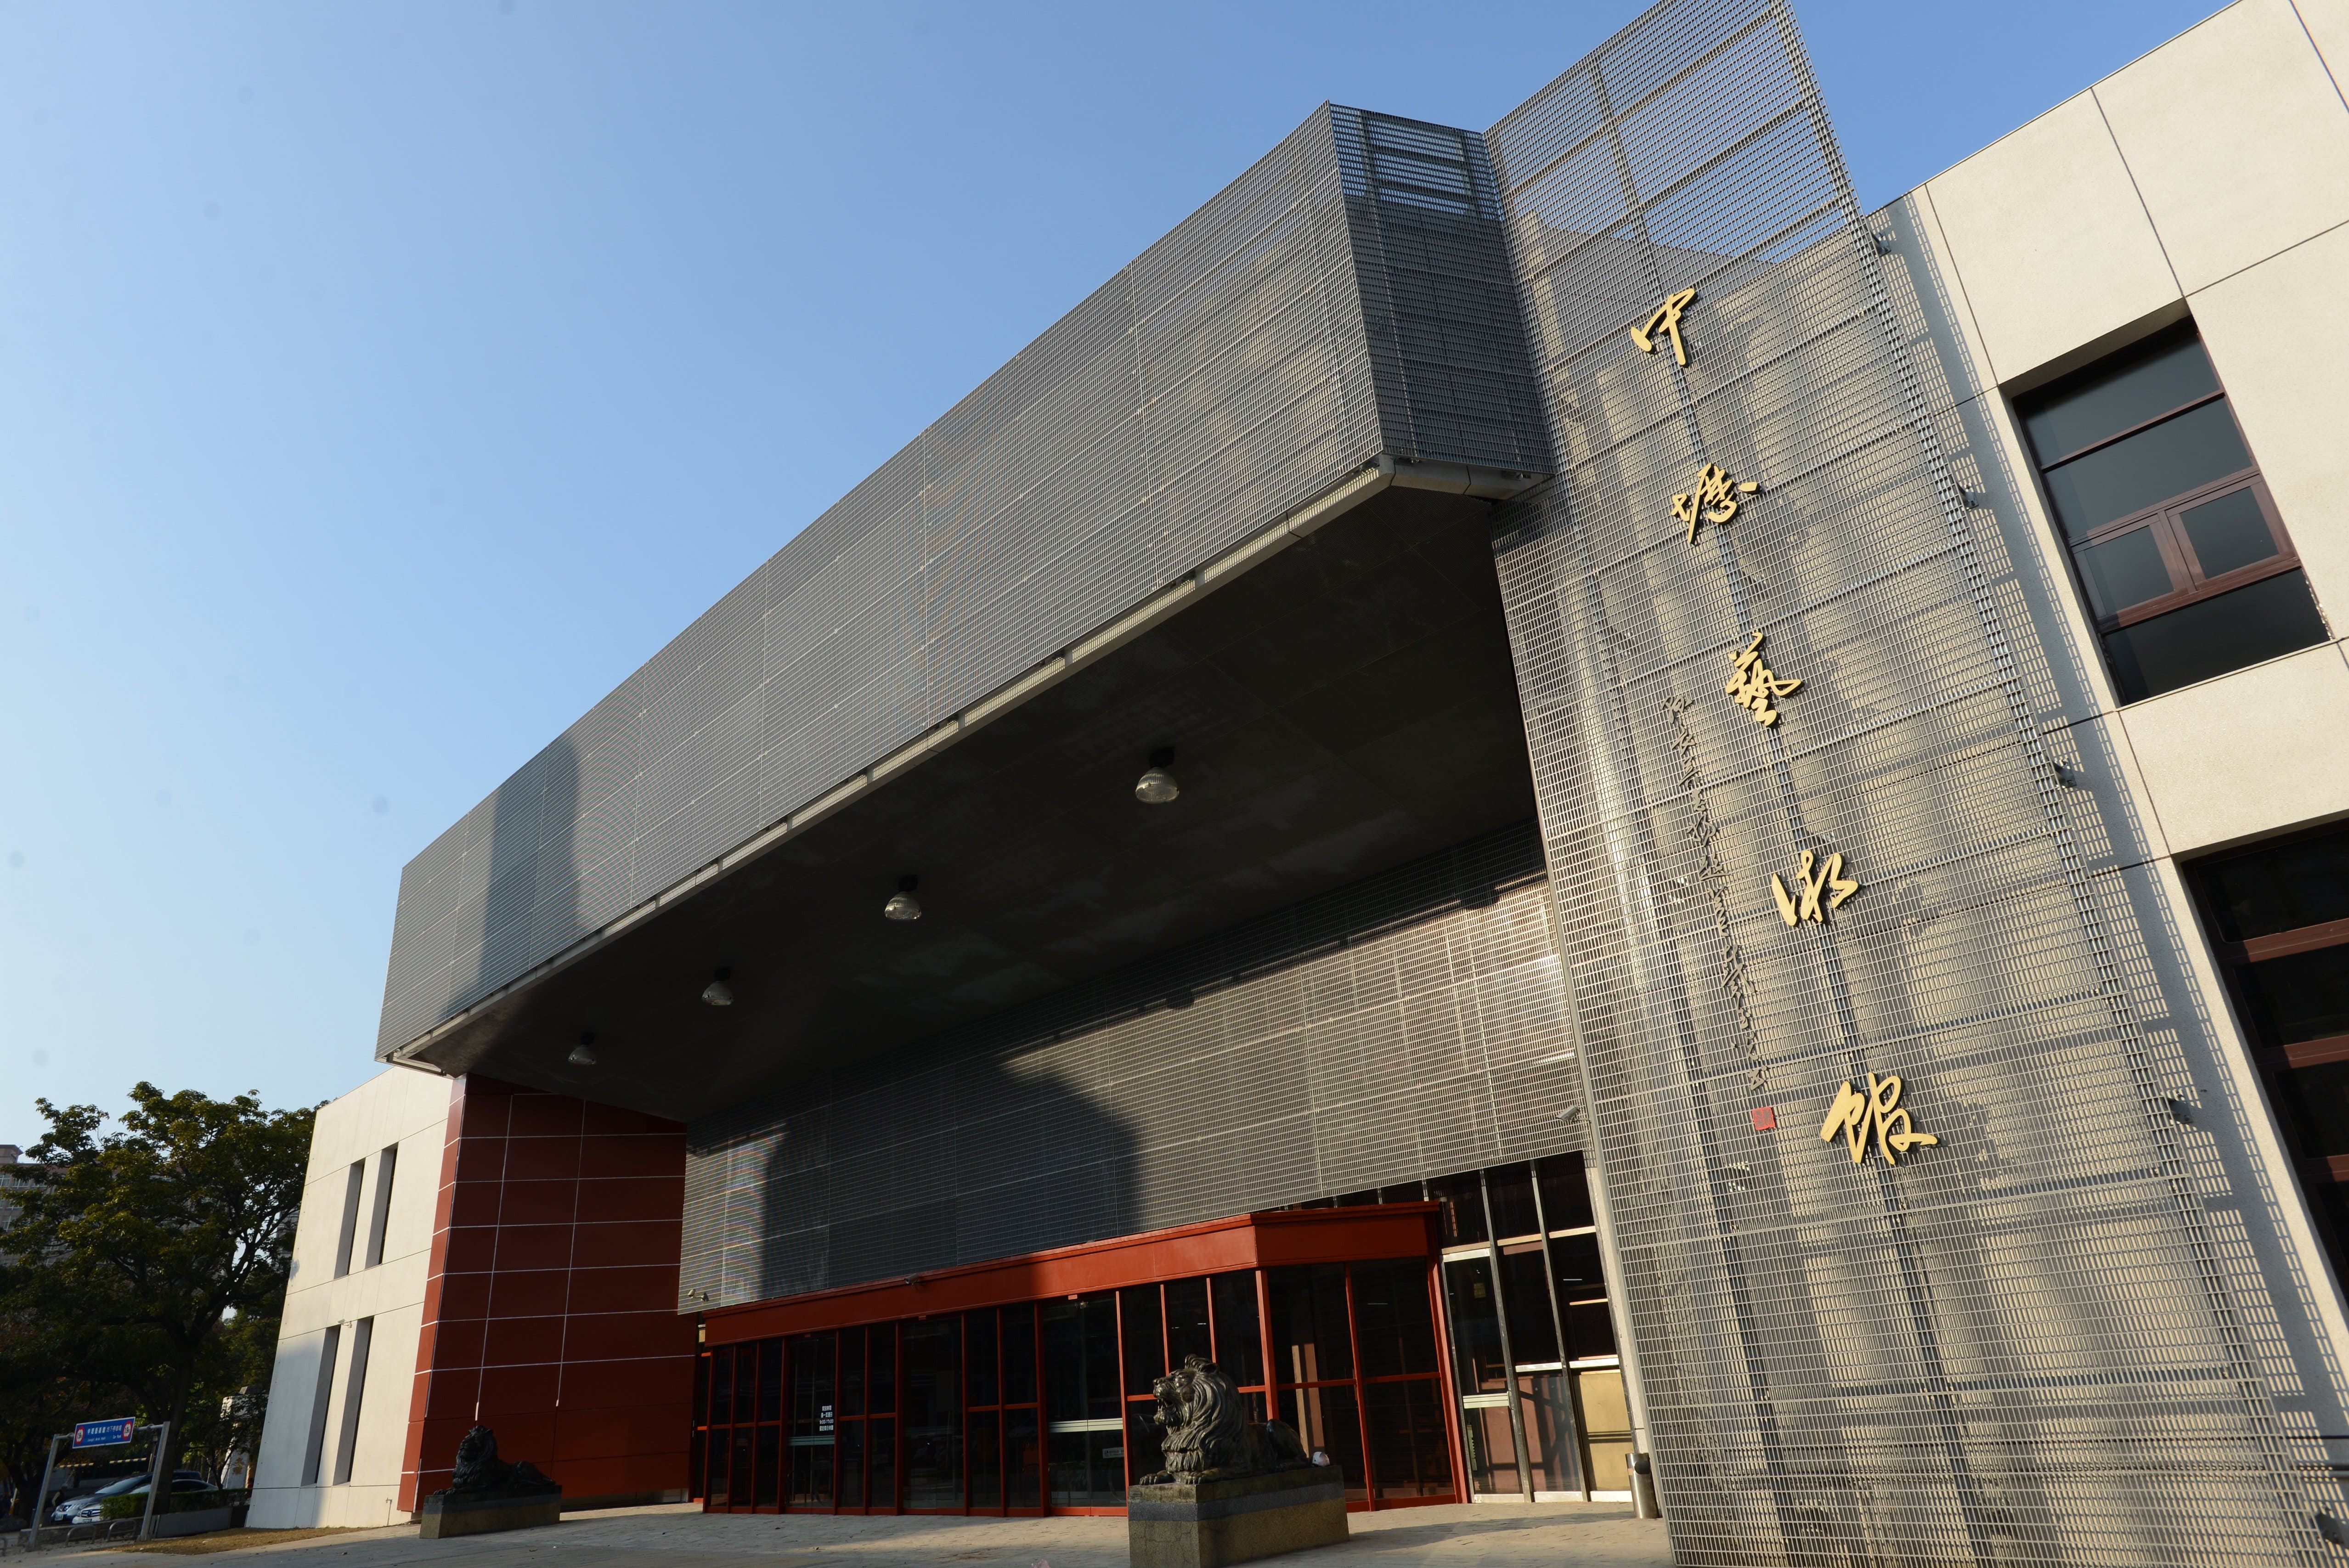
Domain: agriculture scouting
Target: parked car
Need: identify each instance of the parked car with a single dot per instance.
(85, 1508)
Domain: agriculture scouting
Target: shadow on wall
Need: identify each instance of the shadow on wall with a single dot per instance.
(533, 903)
(1414, 1022)
(932, 1162)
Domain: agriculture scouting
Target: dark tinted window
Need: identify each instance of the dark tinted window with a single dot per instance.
(1392, 1315)
(2279, 889)
(980, 1328)
(1565, 1192)
(1463, 1198)
(2181, 553)
(1511, 1188)
(2228, 533)
(1145, 1333)
(1311, 1340)
(2302, 996)
(2242, 627)
(2148, 467)
(2140, 383)
(1239, 1339)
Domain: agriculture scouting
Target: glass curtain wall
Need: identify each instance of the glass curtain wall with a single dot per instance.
(1047, 1405)
(1543, 1409)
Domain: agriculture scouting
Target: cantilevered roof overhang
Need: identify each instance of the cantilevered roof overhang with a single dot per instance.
(1172, 517)
(1340, 697)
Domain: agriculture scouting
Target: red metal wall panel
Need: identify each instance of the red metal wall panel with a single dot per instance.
(551, 1311)
(1216, 1246)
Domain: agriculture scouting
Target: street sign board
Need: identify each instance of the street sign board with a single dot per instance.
(104, 1434)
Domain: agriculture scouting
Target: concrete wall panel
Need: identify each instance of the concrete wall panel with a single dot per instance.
(2051, 239)
(2236, 139)
(2261, 749)
(398, 1108)
(2278, 336)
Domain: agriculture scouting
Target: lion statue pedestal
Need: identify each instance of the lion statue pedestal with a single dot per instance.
(486, 1493)
(1233, 1489)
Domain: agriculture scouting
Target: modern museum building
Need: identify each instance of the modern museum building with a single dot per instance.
(1592, 816)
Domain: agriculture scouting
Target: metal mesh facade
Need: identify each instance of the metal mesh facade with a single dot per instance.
(1412, 1024)
(1348, 296)
(2048, 1339)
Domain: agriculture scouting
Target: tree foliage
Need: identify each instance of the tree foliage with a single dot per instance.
(153, 1258)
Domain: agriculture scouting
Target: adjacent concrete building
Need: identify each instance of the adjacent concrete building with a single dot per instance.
(1571, 803)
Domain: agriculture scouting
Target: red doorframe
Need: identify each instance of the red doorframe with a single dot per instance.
(1264, 1241)
(1257, 1242)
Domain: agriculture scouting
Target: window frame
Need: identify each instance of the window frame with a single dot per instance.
(2272, 1060)
(2178, 550)
(2189, 586)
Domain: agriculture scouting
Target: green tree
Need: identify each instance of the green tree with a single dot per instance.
(42, 1393)
(143, 1254)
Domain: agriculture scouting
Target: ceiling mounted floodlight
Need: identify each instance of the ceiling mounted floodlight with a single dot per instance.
(581, 1056)
(903, 904)
(1157, 787)
(718, 994)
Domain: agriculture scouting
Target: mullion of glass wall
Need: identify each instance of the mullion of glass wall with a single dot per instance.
(1564, 1406)
(983, 1411)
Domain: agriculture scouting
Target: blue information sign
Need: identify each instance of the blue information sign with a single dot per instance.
(104, 1434)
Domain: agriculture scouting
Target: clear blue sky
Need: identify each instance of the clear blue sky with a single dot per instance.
(381, 383)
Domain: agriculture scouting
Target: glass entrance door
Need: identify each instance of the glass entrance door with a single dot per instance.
(1084, 1413)
(814, 1363)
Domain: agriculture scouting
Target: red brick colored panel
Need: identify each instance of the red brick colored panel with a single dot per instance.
(455, 1395)
(643, 1242)
(646, 1288)
(457, 1342)
(605, 1156)
(524, 1437)
(542, 1159)
(606, 1200)
(615, 1119)
(442, 1434)
(652, 1380)
(606, 1433)
(545, 1116)
(533, 1247)
(537, 1292)
(480, 1159)
(468, 1248)
(539, 1202)
(519, 1341)
(523, 1294)
(462, 1296)
(615, 1336)
(471, 1203)
(510, 1391)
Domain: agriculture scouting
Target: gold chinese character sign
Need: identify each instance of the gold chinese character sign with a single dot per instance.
(1714, 501)
(1753, 685)
(1876, 1114)
(1816, 877)
(1666, 320)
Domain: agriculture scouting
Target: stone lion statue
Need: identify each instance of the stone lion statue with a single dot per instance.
(1204, 1434)
(479, 1468)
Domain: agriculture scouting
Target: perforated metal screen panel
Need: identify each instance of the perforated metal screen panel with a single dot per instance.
(1390, 1031)
(1348, 296)
(2041, 1341)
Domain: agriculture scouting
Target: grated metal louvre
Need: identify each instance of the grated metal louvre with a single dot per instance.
(2039, 1342)
(1410, 1023)
(1349, 296)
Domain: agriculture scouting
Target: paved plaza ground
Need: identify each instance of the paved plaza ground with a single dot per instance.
(1488, 1535)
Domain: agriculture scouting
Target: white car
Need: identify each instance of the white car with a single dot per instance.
(91, 1509)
